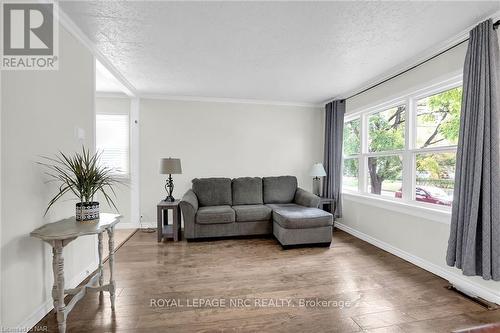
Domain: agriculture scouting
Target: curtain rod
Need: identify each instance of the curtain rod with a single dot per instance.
(495, 26)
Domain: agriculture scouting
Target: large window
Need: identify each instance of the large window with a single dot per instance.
(112, 141)
(405, 150)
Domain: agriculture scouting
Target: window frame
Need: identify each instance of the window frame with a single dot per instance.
(409, 151)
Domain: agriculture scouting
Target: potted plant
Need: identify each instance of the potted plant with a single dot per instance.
(82, 175)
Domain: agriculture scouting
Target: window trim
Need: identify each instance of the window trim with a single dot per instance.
(409, 151)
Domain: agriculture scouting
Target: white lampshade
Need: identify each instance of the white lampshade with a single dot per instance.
(317, 170)
(170, 166)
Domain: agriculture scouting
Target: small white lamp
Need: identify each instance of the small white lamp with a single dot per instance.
(317, 171)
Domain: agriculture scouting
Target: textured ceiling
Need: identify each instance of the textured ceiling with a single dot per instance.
(105, 81)
(282, 51)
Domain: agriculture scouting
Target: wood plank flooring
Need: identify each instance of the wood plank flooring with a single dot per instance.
(364, 289)
(120, 237)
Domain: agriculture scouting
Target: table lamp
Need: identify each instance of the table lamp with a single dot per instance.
(317, 171)
(170, 166)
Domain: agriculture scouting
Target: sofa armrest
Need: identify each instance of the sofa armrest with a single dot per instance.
(305, 198)
(189, 207)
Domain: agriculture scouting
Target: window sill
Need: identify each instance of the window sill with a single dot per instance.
(442, 215)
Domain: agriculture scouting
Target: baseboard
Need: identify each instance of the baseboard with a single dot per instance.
(47, 306)
(127, 226)
(458, 280)
(145, 225)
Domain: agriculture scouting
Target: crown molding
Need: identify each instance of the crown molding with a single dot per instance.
(73, 29)
(420, 58)
(111, 94)
(227, 100)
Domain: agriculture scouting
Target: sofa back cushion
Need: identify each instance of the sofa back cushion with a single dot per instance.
(213, 191)
(247, 191)
(279, 189)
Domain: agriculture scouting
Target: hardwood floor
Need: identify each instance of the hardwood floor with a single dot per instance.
(121, 236)
(363, 289)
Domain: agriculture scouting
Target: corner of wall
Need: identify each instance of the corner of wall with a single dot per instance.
(135, 213)
(1, 203)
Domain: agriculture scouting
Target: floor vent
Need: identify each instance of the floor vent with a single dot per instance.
(484, 303)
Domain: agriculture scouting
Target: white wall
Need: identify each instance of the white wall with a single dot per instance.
(110, 105)
(1, 203)
(415, 238)
(224, 140)
(40, 110)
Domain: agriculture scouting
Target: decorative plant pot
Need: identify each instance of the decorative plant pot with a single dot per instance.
(87, 211)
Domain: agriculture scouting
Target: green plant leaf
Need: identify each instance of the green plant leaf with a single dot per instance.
(82, 175)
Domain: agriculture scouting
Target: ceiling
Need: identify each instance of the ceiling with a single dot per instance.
(304, 52)
(105, 81)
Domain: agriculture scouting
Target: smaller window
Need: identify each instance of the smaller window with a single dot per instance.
(112, 141)
(438, 119)
(435, 174)
(385, 175)
(350, 174)
(352, 137)
(386, 130)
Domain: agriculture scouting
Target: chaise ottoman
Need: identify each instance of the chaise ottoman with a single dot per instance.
(298, 225)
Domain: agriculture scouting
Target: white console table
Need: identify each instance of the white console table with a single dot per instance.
(58, 235)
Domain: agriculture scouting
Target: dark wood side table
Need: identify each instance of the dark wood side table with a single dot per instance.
(166, 230)
(326, 202)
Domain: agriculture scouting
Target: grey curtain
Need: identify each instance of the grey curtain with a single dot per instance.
(334, 128)
(474, 244)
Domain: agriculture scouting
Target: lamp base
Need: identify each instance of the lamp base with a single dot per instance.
(169, 199)
(317, 186)
(169, 187)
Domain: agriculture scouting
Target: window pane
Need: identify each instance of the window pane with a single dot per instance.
(350, 174)
(386, 129)
(385, 175)
(435, 178)
(112, 141)
(352, 137)
(438, 119)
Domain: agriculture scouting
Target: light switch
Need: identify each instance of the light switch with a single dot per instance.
(80, 133)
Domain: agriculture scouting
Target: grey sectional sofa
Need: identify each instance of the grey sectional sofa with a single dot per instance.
(221, 207)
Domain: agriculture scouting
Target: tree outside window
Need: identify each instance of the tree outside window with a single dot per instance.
(352, 149)
(386, 132)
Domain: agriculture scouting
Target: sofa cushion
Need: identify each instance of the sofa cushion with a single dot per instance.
(213, 191)
(247, 191)
(292, 216)
(246, 213)
(279, 189)
(215, 215)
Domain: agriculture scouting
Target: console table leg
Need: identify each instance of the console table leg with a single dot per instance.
(101, 270)
(111, 265)
(58, 266)
(54, 271)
